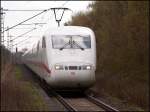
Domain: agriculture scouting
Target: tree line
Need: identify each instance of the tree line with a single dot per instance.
(122, 31)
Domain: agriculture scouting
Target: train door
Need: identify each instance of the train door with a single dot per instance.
(43, 56)
(43, 49)
(38, 59)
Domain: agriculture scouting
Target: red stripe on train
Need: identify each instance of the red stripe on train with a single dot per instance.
(46, 68)
(40, 65)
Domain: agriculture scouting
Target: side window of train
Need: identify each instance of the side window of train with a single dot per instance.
(43, 43)
(32, 51)
(38, 47)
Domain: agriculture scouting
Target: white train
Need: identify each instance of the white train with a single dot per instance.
(65, 57)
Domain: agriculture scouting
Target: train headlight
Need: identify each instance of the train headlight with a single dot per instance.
(87, 67)
(59, 67)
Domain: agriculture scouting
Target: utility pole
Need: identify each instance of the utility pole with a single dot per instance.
(11, 49)
(16, 55)
(7, 48)
(8, 39)
(16, 48)
(2, 55)
(2, 27)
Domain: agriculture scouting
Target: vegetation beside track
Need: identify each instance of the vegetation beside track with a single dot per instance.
(20, 95)
(122, 31)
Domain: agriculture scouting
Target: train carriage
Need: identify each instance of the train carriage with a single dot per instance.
(65, 57)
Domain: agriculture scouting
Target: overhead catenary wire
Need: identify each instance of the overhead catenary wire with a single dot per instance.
(31, 17)
(33, 24)
(22, 44)
(22, 10)
(22, 41)
(27, 20)
(19, 43)
(23, 28)
(28, 24)
(23, 34)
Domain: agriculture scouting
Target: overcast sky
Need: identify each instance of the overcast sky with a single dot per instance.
(12, 17)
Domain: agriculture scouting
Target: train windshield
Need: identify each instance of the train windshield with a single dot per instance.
(71, 42)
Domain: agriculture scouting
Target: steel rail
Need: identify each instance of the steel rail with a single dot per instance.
(64, 102)
(101, 103)
(50, 92)
(68, 106)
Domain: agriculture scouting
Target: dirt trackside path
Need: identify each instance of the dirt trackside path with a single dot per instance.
(20, 92)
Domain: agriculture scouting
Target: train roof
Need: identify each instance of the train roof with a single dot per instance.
(64, 30)
(69, 30)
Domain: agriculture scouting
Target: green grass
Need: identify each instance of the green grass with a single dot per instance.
(18, 73)
(37, 102)
(30, 98)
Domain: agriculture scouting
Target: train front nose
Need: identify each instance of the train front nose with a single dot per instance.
(73, 76)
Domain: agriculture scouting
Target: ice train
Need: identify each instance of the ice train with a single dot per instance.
(65, 57)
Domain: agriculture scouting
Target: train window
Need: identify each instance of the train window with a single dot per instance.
(38, 46)
(32, 50)
(71, 42)
(83, 41)
(43, 43)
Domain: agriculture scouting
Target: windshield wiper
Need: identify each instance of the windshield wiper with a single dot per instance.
(68, 43)
(75, 43)
(71, 42)
(82, 36)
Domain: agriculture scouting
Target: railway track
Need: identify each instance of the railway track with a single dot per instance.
(80, 103)
(83, 102)
(76, 101)
(100, 103)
